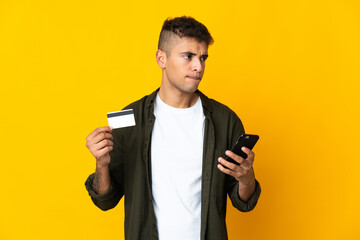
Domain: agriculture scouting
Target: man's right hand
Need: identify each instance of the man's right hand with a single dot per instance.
(100, 143)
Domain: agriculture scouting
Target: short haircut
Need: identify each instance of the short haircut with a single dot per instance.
(182, 27)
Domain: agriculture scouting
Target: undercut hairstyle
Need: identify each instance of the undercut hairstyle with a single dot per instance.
(182, 27)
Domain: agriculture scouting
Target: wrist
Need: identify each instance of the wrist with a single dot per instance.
(102, 167)
(247, 184)
(248, 180)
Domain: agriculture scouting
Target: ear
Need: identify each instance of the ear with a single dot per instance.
(161, 58)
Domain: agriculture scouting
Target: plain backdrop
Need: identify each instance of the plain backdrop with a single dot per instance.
(289, 69)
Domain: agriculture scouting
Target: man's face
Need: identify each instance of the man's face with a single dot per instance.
(185, 65)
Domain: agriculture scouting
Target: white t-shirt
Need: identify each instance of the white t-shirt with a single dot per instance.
(176, 168)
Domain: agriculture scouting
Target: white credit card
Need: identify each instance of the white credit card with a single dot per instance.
(121, 119)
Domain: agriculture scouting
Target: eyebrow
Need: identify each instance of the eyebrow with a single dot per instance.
(194, 54)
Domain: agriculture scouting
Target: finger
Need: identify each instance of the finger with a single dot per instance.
(248, 162)
(98, 138)
(228, 164)
(228, 171)
(99, 130)
(244, 163)
(234, 156)
(101, 136)
(250, 153)
(102, 152)
(102, 144)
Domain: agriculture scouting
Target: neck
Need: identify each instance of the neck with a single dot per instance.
(177, 99)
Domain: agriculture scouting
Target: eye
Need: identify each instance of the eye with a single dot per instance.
(187, 56)
(203, 58)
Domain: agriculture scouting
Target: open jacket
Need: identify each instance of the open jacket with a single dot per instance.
(131, 174)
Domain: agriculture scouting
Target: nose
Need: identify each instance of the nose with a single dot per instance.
(197, 65)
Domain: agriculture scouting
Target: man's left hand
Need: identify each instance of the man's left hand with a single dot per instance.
(244, 172)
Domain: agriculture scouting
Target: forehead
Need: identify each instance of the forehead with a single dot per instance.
(185, 44)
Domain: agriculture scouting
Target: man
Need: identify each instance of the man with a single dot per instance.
(169, 166)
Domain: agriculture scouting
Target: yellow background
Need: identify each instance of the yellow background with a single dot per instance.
(289, 69)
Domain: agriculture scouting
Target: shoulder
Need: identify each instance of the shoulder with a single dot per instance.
(227, 125)
(137, 103)
(142, 102)
(217, 108)
(141, 110)
(221, 108)
(221, 114)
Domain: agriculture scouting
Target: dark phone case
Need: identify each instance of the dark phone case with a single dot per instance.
(245, 140)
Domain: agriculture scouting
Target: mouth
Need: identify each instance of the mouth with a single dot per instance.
(194, 78)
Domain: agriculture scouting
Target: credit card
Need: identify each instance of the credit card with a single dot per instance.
(121, 119)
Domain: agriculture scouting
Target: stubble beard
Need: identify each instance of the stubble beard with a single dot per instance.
(190, 88)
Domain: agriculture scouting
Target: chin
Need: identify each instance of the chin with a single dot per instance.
(189, 89)
(192, 89)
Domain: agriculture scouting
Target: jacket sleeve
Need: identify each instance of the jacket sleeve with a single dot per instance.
(240, 204)
(236, 129)
(115, 192)
(106, 200)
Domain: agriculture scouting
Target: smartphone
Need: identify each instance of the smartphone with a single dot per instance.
(245, 140)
